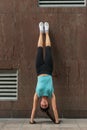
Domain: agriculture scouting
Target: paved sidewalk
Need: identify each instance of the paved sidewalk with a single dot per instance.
(42, 124)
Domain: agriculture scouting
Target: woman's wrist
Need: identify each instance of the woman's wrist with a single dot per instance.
(56, 120)
(31, 120)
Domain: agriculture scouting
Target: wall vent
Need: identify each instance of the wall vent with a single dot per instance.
(8, 85)
(62, 3)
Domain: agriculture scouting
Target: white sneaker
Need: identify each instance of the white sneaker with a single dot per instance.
(41, 27)
(46, 26)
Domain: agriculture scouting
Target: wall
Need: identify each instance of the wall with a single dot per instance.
(18, 46)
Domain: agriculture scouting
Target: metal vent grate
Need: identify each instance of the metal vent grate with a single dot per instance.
(8, 84)
(62, 3)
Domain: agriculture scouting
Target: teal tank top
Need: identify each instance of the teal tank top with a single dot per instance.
(44, 86)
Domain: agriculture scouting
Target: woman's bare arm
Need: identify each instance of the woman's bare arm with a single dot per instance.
(54, 107)
(35, 101)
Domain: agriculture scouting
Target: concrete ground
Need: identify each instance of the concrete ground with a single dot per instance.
(42, 124)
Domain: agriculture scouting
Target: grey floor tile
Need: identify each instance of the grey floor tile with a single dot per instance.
(81, 122)
(83, 128)
(1, 124)
(31, 127)
(68, 123)
(43, 124)
(10, 128)
(70, 128)
(50, 127)
(12, 125)
(45, 127)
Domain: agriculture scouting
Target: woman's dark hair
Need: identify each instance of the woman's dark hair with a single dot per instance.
(46, 110)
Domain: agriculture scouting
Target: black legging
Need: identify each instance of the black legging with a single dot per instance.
(44, 65)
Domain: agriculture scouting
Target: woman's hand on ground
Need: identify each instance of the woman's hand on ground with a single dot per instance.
(32, 122)
(58, 122)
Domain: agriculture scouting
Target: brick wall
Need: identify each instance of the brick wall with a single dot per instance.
(18, 44)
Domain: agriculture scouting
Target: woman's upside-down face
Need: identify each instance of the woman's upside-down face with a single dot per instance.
(44, 103)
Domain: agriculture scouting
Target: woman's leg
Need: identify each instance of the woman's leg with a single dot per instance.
(41, 29)
(39, 57)
(48, 54)
(40, 40)
(48, 41)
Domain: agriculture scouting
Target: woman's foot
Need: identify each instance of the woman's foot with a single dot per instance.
(41, 27)
(46, 27)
